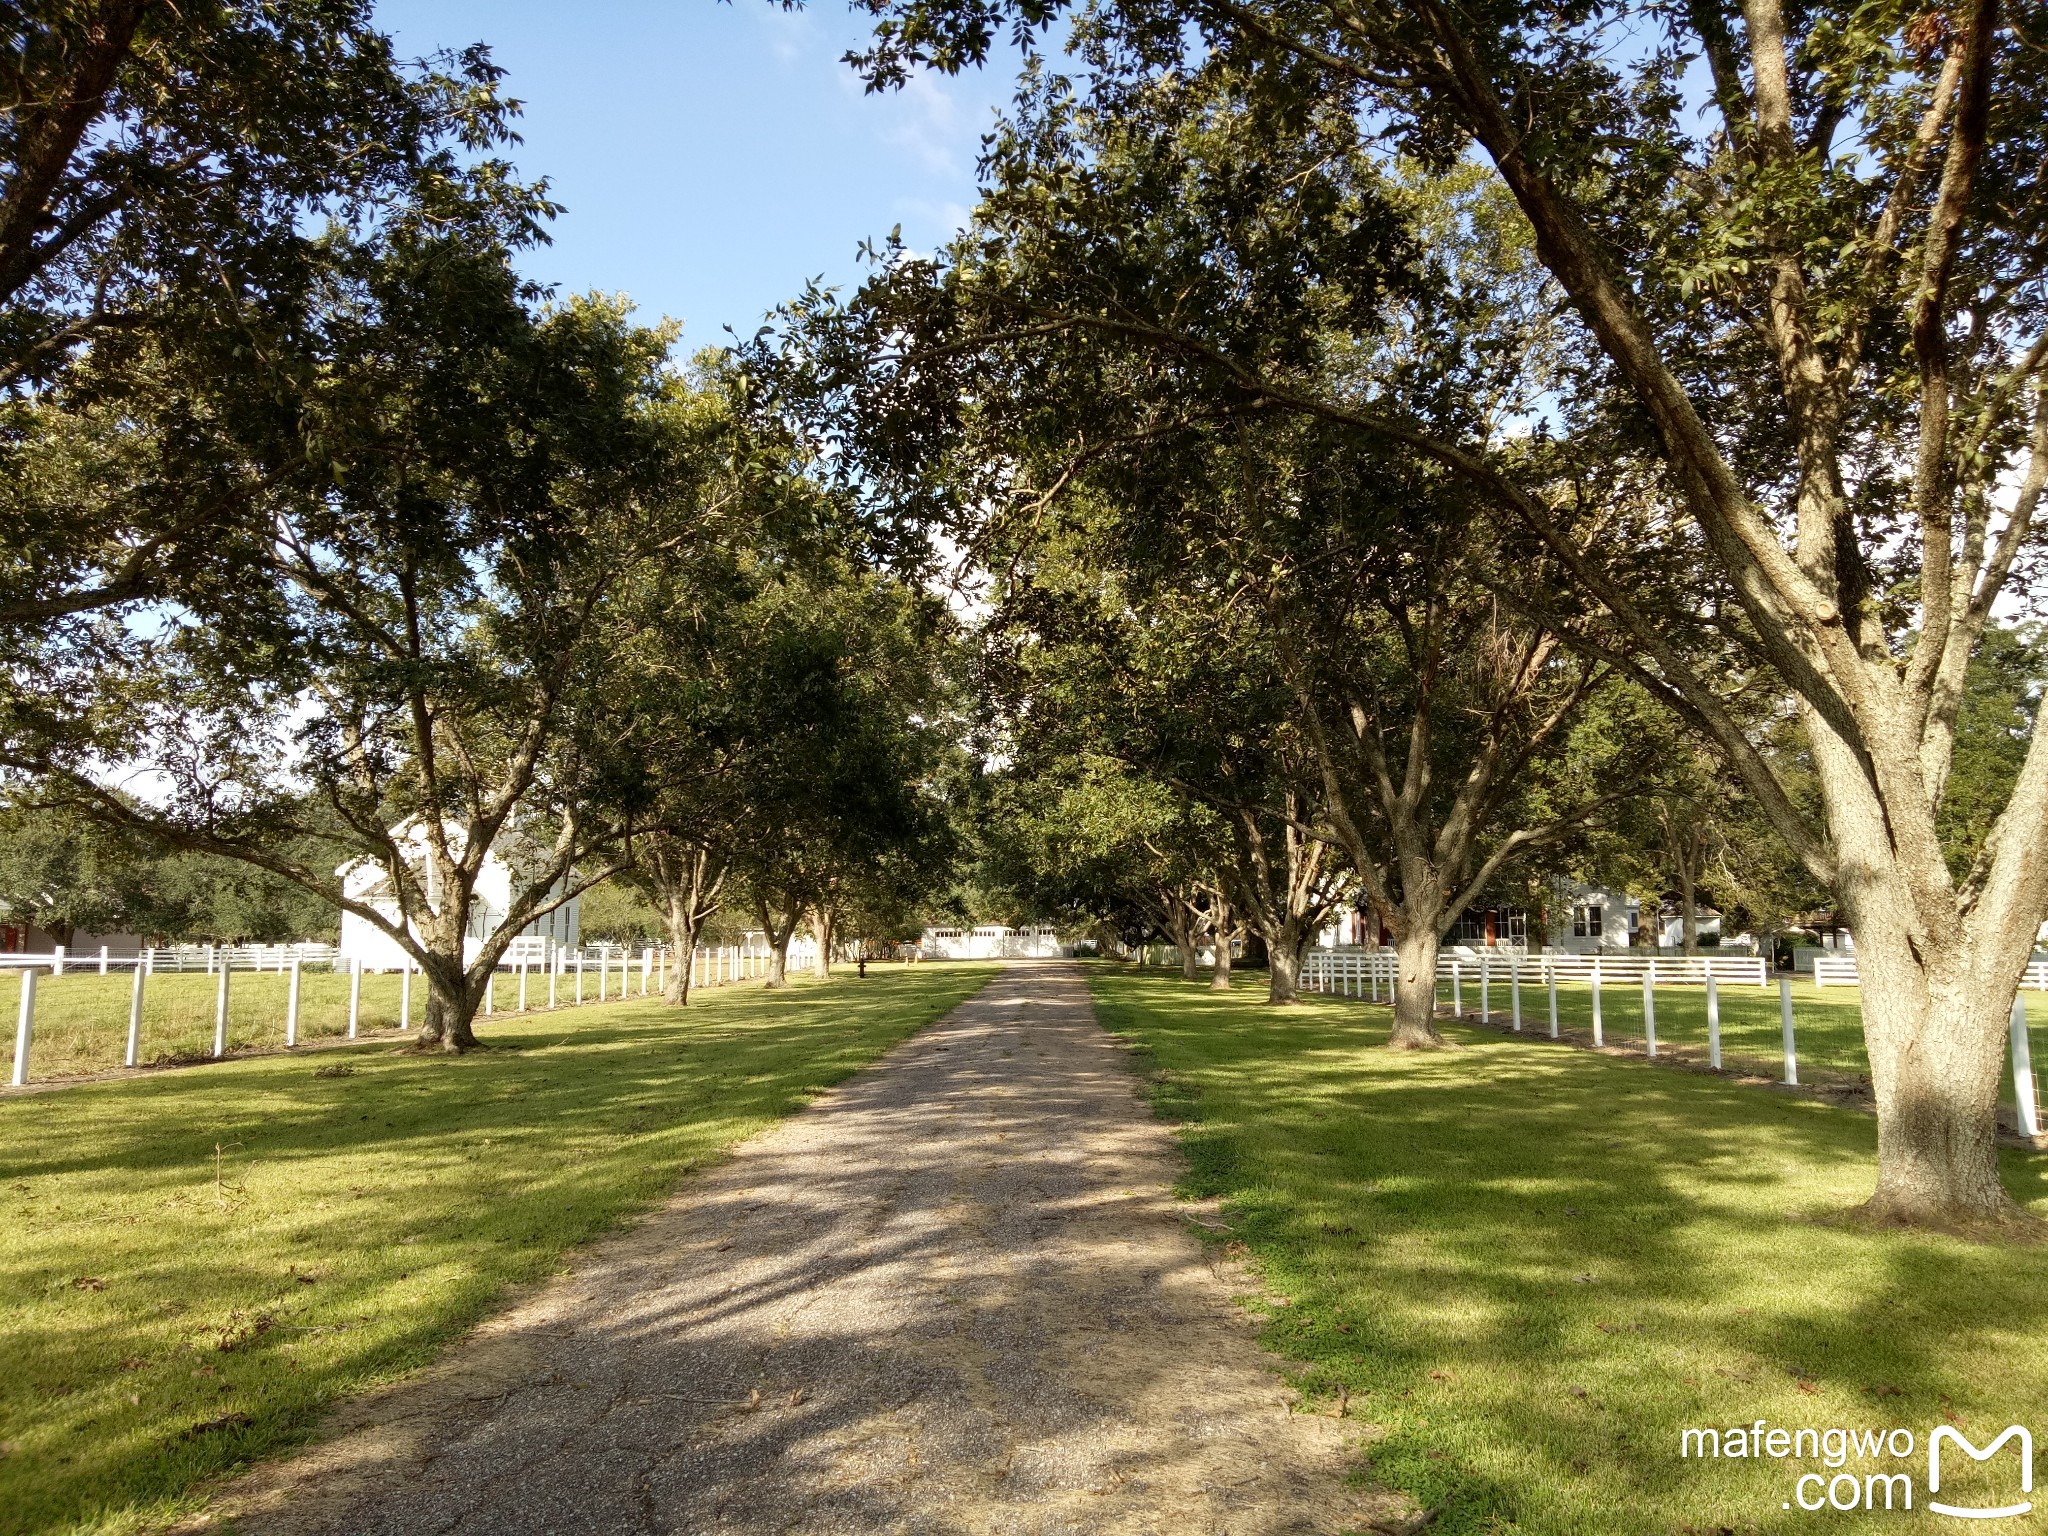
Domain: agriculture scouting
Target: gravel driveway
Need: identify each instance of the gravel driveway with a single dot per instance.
(952, 1295)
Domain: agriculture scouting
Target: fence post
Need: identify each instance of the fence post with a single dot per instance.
(103, 959)
(209, 959)
(220, 1013)
(57, 960)
(490, 991)
(604, 975)
(1599, 1037)
(1515, 990)
(1785, 1016)
(355, 995)
(1457, 991)
(1550, 971)
(1486, 989)
(2023, 1070)
(25, 1026)
(1650, 1008)
(579, 973)
(646, 969)
(291, 1007)
(522, 986)
(1713, 1020)
(135, 1012)
(405, 994)
(664, 970)
(554, 976)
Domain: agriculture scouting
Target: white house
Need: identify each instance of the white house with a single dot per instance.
(993, 942)
(367, 881)
(1588, 918)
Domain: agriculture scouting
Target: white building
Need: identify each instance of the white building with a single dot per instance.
(993, 943)
(367, 880)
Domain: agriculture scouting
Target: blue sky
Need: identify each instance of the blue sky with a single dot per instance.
(714, 156)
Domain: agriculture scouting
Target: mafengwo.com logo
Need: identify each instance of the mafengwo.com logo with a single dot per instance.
(1879, 1469)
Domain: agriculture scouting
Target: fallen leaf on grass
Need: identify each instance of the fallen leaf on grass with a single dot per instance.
(89, 1283)
(1807, 1387)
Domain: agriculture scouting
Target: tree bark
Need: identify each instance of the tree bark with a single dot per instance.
(778, 931)
(682, 943)
(821, 928)
(452, 1001)
(1180, 924)
(1219, 916)
(1283, 963)
(1415, 947)
(1937, 996)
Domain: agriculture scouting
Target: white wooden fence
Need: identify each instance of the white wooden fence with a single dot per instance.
(1370, 974)
(1354, 971)
(593, 974)
(204, 958)
(1840, 971)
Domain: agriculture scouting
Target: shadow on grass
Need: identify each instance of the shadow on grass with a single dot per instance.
(1532, 1268)
(195, 1264)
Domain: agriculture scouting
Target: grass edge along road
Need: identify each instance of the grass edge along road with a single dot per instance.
(173, 1312)
(1525, 1271)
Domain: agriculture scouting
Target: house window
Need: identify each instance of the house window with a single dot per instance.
(1586, 920)
(1635, 922)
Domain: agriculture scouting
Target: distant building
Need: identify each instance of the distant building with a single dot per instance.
(27, 939)
(992, 942)
(368, 881)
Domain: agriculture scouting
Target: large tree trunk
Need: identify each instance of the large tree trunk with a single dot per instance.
(1415, 947)
(1937, 1050)
(1180, 926)
(821, 928)
(1937, 997)
(682, 944)
(1283, 963)
(1688, 912)
(1219, 975)
(778, 931)
(452, 1002)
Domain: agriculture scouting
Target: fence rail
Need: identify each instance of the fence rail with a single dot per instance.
(1377, 965)
(1840, 971)
(1370, 974)
(226, 999)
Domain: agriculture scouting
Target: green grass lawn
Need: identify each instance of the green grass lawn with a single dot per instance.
(171, 1311)
(1531, 1268)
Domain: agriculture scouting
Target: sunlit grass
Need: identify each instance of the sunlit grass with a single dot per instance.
(195, 1262)
(1531, 1267)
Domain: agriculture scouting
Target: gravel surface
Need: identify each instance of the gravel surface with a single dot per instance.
(953, 1295)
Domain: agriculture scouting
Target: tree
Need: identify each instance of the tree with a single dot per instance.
(1821, 315)
(1185, 688)
(437, 606)
(171, 181)
(1077, 327)
(846, 726)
